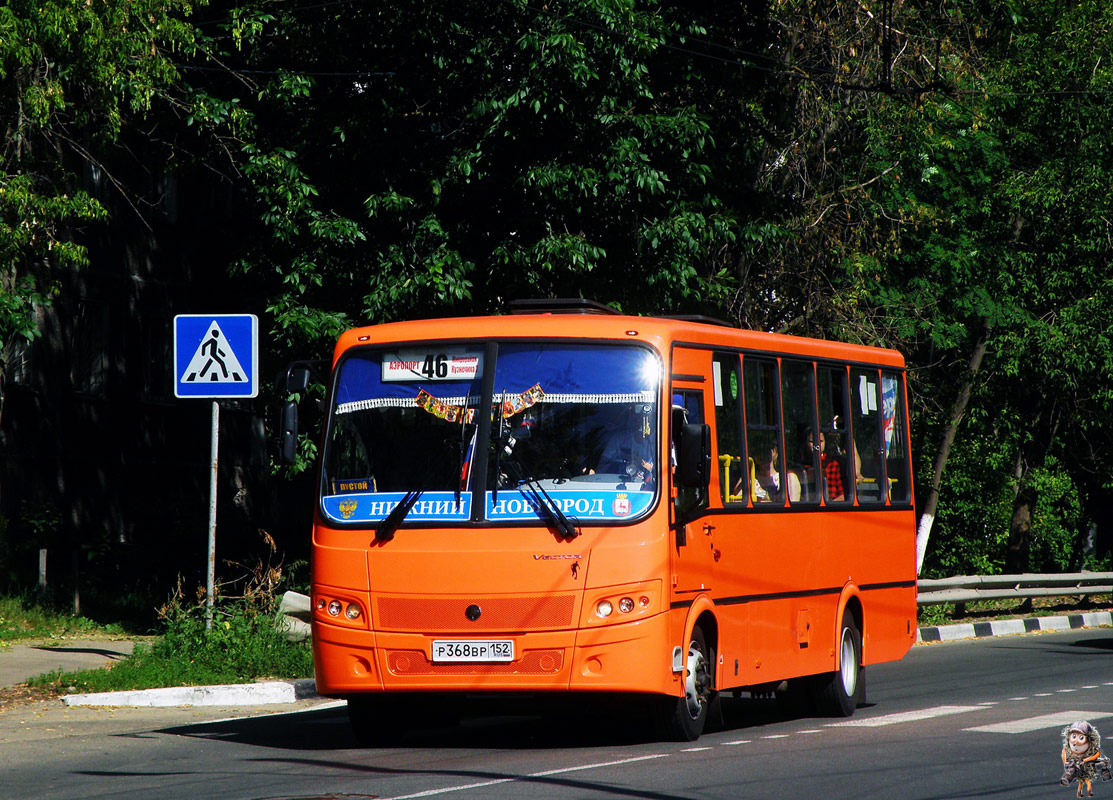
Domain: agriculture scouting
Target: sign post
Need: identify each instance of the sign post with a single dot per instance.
(217, 357)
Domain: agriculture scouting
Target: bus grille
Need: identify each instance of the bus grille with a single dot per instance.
(532, 662)
(428, 614)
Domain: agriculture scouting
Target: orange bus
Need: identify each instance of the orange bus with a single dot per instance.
(568, 500)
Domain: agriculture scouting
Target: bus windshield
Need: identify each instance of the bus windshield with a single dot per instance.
(575, 424)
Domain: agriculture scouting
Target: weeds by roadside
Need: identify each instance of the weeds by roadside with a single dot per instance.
(244, 643)
(22, 618)
(988, 610)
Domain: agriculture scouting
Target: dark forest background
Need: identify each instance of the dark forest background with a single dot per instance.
(929, 176)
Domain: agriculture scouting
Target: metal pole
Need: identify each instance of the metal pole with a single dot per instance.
(210, 577)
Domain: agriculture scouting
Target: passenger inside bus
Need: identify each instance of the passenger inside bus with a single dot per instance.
(766, 479)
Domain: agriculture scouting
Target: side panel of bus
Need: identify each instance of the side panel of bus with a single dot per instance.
(782, 575)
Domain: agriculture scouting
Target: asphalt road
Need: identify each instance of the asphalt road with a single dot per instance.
(953, 720)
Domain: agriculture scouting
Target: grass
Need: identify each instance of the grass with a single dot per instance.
(244, 644)
(22, 619)
(987, 610)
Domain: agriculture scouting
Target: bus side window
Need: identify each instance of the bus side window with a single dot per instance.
(764, 465)
(728, 426)
(869, 474)
(803, 471)
(689, 498)
(834, 424)
(895, 437)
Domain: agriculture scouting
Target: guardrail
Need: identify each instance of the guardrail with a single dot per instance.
(967, 588)
(296, 614)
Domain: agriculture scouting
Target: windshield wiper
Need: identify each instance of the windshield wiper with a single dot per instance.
(386, 529)
(535, 493)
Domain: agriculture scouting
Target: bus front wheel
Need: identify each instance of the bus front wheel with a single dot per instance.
(839, 693)
(684, 717)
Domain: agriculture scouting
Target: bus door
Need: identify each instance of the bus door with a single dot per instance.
(694, 547)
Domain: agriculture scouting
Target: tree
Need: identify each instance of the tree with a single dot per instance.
(471, 154)
(76, 80)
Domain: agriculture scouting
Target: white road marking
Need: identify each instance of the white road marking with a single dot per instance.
(1057, 720)
(546, 773)
(905, 716)
(739, 741)
(694, 749)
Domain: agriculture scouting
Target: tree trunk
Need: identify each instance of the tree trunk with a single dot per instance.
(927, 514)
(1020, 529)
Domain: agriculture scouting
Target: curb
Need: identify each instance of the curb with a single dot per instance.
(1005, 627)
(246, 694)
(284, 692)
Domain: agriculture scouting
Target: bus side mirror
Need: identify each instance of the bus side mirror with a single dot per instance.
(693, 456)
(289, 432)
(297, 380)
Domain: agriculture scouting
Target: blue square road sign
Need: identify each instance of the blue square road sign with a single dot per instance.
(216, 355)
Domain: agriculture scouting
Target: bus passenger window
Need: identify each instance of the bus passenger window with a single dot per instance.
(869, 473)
(802, 476)
(764, 476)
(894, 435)
(728, 425)
(834, 420)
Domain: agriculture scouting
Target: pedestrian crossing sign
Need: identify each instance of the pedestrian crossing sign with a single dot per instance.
(216, 355)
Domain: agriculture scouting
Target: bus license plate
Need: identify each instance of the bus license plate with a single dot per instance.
(496, 650)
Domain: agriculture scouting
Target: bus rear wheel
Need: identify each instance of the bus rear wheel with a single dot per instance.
(684, 718)
(839, 693)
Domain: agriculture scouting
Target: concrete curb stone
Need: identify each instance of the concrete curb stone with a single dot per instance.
(1005, 627)
(283, 692)
(244, 694)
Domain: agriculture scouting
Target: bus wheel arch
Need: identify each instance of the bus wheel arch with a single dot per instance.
(839, 692)
(683, 718)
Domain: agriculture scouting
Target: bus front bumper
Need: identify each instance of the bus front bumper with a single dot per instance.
(631, 657)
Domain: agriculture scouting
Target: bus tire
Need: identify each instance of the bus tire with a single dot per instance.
(839, 693)
(684, 718)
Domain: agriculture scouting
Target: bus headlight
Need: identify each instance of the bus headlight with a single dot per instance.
(340, 609)
(618, 604)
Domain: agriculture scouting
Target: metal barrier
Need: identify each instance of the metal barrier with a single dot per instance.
(967, 588)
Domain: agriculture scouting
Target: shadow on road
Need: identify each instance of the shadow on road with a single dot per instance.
(575, 723)
(1095, 644)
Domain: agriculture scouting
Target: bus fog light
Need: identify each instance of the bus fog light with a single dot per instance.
(604, 608)
(643, 601)
(321, 603)
(626, 605)
(334, 608)
(353, 611)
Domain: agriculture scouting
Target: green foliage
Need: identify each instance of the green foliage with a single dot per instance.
(501, 151)
(243, 644)
(23, 618)
(73, 76)
(914, 176)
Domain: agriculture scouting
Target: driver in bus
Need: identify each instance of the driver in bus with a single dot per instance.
(629, 449)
